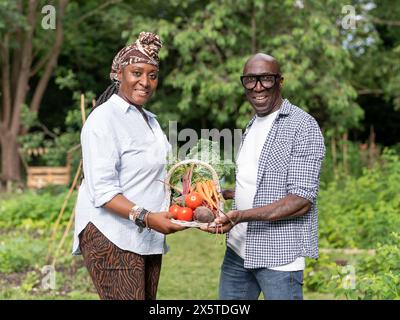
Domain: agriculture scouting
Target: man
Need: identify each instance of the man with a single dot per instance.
(273, 225)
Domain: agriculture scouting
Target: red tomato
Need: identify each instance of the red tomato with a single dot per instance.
(185, 214)
(193, 200)
(174, 209)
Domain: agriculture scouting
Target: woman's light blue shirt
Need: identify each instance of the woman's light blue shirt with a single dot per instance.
(121, 154)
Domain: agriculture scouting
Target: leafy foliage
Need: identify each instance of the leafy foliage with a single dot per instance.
(19, 252)
(307, 41)
(359, 212)
(377, 276)
(207, 151)
(33, 209)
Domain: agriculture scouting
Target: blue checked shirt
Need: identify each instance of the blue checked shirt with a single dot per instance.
(290, 163)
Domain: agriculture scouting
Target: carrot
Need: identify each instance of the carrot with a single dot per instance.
(212, 188)
(219, 196)
(208, 194)
(213, 191)
(202, 190)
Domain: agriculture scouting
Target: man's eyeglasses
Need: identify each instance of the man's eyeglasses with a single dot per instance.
(267, 80)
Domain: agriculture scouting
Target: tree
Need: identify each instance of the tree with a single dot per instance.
(29, 52)
(374, 47)
(19, 63)
(206, 49)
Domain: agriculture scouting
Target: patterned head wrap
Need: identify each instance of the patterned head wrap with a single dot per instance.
(144, 50)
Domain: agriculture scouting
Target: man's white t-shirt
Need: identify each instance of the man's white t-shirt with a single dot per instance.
(246, 179)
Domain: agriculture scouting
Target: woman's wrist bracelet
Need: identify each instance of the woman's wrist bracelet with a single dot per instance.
(146, 219)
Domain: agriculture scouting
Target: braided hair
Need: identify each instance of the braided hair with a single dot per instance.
(111, 89)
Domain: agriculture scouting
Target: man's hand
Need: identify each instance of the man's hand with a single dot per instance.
(224, 223)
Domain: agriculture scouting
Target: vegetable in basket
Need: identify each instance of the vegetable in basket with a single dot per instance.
(192, 184)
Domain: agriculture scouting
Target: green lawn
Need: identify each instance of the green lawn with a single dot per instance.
(189, 271)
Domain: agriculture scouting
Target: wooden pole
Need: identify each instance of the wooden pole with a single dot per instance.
(61, 213)
(74, 184)
(65, 234)
(83, 108)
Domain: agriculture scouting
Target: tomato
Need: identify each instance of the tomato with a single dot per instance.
(193, 200)
(185, 214)
(174, 209)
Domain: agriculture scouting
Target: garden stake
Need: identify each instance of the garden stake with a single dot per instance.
(74, 183)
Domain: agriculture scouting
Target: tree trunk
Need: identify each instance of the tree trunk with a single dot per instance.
(51, 62)
(15, 85)
(10, 162)
(14, 97)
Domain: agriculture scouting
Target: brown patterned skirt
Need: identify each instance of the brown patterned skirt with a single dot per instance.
(118, 274)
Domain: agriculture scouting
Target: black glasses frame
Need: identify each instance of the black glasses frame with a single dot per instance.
(258, 79)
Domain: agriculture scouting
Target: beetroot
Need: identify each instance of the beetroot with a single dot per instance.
(203, 214)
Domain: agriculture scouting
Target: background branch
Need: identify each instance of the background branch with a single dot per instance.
(94, 11)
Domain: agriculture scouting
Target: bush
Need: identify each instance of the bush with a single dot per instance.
(360, 212)
(20, 252)
(362, 276)
(377, 276)
(318, 274)
(34, 209)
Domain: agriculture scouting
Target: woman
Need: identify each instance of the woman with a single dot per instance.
(118, 227)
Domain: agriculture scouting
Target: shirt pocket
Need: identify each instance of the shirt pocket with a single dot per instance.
(278, 158)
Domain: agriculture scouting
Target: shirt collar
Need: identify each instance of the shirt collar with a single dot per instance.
(126, 106)
(285, 108)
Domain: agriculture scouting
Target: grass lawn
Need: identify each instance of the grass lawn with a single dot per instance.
(189, 271)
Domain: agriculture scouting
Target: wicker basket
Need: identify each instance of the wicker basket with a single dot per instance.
(167, 202)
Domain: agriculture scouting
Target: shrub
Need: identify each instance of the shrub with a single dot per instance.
(360, 212)
(20, 252)
(32, 209)
(377, 276)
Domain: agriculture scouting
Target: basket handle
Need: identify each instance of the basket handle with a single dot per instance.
(196, 162)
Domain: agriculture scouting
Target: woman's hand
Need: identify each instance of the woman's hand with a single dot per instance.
(160, 221)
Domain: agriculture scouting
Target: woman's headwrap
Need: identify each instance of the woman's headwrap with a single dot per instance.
(144, 50)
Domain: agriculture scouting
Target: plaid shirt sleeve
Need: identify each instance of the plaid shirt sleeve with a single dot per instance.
(307, 155)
